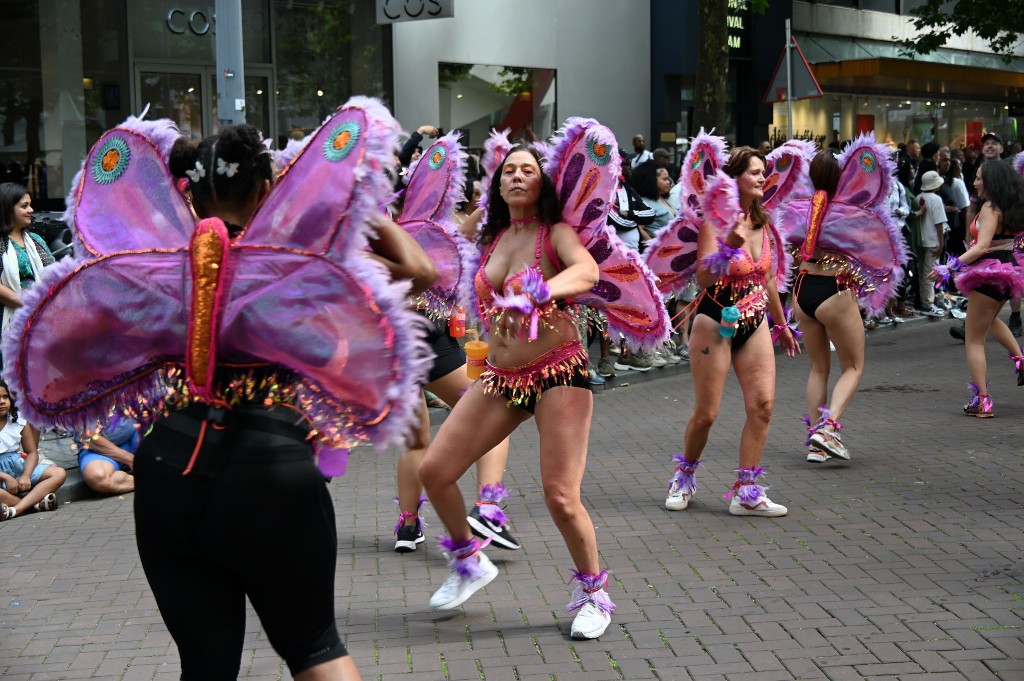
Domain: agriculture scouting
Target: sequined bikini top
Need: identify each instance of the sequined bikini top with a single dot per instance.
(486, 290)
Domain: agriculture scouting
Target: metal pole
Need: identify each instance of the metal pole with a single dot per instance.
(789, 81)
(230, 67)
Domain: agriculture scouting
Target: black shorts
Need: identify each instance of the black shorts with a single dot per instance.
(448, 354)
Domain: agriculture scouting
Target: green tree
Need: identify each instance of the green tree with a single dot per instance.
(999, 23)
(713, 59)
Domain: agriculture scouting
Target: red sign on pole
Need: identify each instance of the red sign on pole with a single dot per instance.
(805, 85)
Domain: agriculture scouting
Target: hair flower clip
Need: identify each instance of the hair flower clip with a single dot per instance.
(224, 168)
(197, 174)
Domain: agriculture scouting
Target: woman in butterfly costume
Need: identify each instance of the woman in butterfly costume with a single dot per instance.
(250, 342)
(546, 248)
(739, 261)
(433, 186)
(989, 273)
(851, 254)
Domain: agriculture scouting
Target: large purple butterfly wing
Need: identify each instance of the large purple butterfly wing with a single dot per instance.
(314, 206)
(126, 198)
(703, 159)
(436, 185)
(786, 173)
(583, 162)
(336, 330)
(672, 255)
(864, 180)
(94, 328)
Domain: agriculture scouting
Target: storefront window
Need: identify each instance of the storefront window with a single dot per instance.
(474, 98)
(895, 120)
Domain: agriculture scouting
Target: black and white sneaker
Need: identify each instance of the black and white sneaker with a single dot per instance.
(484, 528)
(409, 536)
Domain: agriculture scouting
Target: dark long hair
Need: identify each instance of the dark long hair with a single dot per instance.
(825, 171)
(1004, 189)
(10, 194)
(739, 161)
(239, 144)
(645, 180)
(498, 218)
(3, 384)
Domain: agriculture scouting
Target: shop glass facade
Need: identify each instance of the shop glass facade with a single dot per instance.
(840, 117)
(75, 68)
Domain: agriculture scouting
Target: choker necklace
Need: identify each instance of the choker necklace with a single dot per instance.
(519, 223)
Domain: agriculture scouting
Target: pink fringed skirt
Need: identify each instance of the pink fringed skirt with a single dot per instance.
(999, 275)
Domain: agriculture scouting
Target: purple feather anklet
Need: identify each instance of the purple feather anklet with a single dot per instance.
(490, 497)
(590, 589)
(461, 552)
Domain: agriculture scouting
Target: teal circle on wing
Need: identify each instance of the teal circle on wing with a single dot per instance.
(341, 140)
(110, 160)
(437, 157)
(783, 163)
(599, 153)
(698, 159)
(867, 161)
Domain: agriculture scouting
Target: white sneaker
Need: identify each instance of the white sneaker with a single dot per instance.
(656, 360)
(457, 589)
(765, 507)
(677, 499)
(832, 443)
(590, 622)
(817, 456)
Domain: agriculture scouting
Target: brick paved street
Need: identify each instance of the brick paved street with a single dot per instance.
(905, 563)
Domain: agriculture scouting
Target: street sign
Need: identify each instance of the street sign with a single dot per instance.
(805, 85)
(393, 11)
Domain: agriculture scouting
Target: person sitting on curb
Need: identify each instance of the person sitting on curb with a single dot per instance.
(28, 483)
(106, 459)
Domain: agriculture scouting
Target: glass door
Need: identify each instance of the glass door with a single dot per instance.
(175, 93)
(188, 96)
(258, 111)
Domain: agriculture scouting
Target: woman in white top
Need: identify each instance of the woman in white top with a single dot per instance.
(27, 483)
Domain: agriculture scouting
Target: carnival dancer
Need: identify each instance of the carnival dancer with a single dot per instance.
(545, 242)
(991, 272)
(434, 184)
(738, 259)
(851, 254)
(251, 342)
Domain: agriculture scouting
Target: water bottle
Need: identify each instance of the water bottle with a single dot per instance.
(457, 323)
(730, 316)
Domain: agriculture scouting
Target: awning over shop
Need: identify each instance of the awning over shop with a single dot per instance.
(871, 67)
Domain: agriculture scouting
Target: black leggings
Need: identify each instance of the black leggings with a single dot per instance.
(253, 518)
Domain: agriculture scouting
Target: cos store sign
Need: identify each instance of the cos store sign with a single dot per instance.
(194, 21)
(393, 11)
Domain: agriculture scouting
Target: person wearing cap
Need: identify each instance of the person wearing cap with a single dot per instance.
(932, 226)
(991, 146)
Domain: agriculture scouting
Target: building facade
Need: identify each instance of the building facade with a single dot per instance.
(75, 68)
(526, 65)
